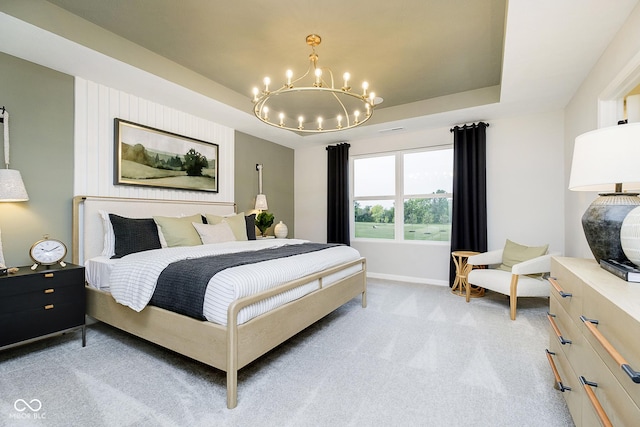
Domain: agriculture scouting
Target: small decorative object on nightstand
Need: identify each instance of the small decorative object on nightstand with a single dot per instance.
(48, 252)
(281, 230)
(40, 304)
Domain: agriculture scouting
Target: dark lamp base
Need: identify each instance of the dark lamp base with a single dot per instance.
(602, 222)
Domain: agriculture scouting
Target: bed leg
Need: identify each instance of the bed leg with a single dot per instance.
(232, 388)
(364, 299)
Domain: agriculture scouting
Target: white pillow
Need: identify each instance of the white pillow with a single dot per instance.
(109, 241)
(237, 222)
(214, 233)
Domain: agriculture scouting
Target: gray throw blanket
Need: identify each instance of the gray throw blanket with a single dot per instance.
(182, 285)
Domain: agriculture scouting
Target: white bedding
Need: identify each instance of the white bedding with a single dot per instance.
(132, 279)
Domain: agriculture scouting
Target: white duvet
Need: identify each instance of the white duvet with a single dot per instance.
(133, 278)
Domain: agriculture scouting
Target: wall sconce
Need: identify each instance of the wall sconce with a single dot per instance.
(11, 185)
(261, 199)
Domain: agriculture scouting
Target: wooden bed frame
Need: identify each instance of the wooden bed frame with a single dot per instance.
(227, 348)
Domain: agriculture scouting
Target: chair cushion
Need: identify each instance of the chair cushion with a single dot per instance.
(500, 281)
(515, 253)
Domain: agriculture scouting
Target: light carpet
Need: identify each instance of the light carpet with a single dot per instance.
(416, 356)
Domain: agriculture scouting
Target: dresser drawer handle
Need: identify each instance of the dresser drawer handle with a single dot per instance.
(557, 287)
(556, 374)
(48, 275)
(562, 340)
(617, 357)
(588, 387)
(49, 291)
(48, 306)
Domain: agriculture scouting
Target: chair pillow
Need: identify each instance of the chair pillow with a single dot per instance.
(515, 253)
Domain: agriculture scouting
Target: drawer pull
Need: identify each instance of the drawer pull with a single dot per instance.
(556, 374)
(49, 291)
(588, 385)
(48, 306)
(562, 340)
(617, 357)
(48, 275)
(558, 289)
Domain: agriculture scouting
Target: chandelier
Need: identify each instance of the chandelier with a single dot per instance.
(317, 107)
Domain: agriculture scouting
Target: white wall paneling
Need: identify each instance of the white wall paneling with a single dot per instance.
(97, 105)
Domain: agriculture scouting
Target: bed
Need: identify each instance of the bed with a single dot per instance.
(227, 347)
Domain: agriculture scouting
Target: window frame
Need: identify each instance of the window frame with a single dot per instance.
(398, 198)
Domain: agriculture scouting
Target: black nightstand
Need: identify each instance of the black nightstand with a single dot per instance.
(38, 304)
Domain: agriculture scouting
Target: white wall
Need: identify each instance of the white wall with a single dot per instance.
(617, 68)
(525, 182)
(97, 105)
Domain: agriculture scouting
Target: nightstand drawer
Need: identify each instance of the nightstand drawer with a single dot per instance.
(53, 295)
(33, 323)
(24, 283)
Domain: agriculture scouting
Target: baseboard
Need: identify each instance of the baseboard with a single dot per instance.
(409, 279)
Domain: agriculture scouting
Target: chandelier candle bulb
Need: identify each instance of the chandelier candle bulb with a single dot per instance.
(365, 86)
(339, 121)
(267, 82)
(346, 77)
(319, 123)
(356, 114)
(281, 119)
(289, 75)
(318, 73)
(265, 112)
(256, 91)
(300, 120)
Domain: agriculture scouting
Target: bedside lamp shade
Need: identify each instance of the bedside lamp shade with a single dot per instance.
(12, 187)
(261, 202)
(606, 160)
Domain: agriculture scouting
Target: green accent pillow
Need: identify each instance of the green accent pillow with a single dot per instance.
(237, 223)
(515, 253)
(178, 231)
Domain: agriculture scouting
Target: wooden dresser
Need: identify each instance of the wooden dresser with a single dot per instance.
(41, 303)
(594, 345)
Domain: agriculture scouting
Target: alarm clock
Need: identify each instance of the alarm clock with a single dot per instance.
(48, 252)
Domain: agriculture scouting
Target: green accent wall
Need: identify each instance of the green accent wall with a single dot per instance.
(40, 104)
(277, 177)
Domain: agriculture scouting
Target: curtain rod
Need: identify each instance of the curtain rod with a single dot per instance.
(465, 125)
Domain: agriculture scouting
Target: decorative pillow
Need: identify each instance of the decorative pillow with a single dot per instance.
(515, 253)
(109, 240)
(237, 223)
(251, 226)
(218, 233)
(133, 235)
(179, 231)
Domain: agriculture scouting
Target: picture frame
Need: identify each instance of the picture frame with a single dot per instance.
(151, 157)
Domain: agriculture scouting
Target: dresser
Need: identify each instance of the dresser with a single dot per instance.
(41, 303)
(594, 345)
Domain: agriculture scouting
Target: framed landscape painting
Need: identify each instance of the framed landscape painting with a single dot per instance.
(155, 158)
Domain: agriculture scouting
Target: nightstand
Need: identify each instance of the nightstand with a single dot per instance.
(42, 303)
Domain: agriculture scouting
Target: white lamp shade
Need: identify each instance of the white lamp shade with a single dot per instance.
(261, 202)
(607, 156)
(12, 187)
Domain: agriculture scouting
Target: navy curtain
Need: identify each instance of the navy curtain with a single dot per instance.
(469, 216)
(338, 194)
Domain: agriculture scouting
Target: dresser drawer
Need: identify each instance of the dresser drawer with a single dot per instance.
(570, 286)
(573, 393)
(29, 324)
(615, 401)
(621, 331)
(568, 331)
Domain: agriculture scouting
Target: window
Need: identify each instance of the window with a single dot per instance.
(416, 186)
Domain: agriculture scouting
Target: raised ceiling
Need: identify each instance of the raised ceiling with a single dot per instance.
(408, 50)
